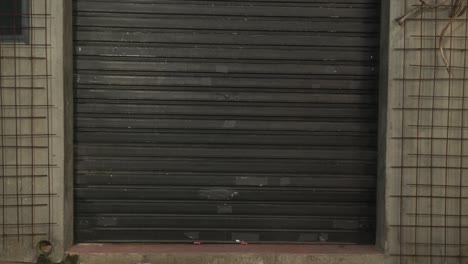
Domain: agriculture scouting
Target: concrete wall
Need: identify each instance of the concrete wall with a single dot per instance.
(423, 186)
(33, 197)
(426, 128)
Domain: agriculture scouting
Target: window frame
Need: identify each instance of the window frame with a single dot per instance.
(24, 37)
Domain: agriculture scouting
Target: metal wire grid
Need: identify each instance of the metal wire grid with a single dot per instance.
(25, 129)
(432, 167)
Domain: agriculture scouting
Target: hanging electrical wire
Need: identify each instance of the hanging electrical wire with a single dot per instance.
(401, 20)
(458, 8)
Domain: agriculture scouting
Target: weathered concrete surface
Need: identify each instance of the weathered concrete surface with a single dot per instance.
(25, 178)
(36, 179)
(219, 258)
(426, 143)
(62, 125)
(235, 254)
(5, 262)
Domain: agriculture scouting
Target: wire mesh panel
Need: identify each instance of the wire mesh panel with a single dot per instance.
(25, 134)
(429, 103)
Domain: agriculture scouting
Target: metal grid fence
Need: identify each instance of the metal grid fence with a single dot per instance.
(25, 129)
(432, 189)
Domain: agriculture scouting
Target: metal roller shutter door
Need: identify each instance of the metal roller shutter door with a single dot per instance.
(217, 121)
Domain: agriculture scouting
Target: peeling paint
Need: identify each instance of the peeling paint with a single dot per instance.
(252, 181)
(192, 235)
(245, 236)
(323, 237)
(107, 221)
(229, 123)
(217, 194)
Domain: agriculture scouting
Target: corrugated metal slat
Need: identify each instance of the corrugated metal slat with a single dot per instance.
(218, 121)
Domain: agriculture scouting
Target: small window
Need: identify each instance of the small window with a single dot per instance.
(14, 20)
